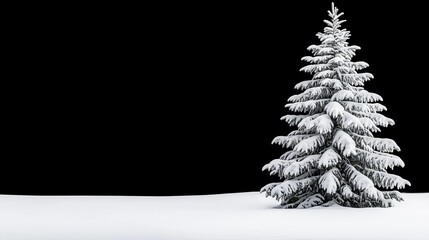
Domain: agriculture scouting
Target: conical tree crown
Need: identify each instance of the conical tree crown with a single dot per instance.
(335, 157)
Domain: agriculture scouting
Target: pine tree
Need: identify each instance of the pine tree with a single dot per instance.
(335, 157)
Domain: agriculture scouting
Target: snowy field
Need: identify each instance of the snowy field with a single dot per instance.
(247, 216)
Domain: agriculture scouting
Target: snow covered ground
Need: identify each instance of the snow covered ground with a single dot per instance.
(247, 216)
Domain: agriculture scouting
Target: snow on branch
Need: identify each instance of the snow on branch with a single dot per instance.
(313, 68)
(289, 187)
(348, 121)
(377, 118)
(357, 65)
(307, 84)
(346, 191)
(307, 106)
(338, 60)
(369, 124)
(321, 50)
(291, 140)
(327, 38)
(274, 165)
(322, 123)
(379, 144)
(343, 142)
(306, 121)
(299, 167)
(338, 15)
(325, 74)
(341, 21)
(312, 94)
(329, 158)
(361, 182)
(311, 201)
(363, 107)
(334, 109)
(293, 120)
(283, 169)
(300, 132)
(393, 195)
(310, 144)
(354, 106)
(327, 82)
(267, 188)
(379, 160)
(357, 79)
(328, 30)
(332, 83)
(349, 50)
(317, 59)
(386, 180)
(289, 203)
(329, 23)
(329, 181)
(291, 155)
(376, 107)
(343, 95)
(366, 97)
(353, 48)
(343, 69)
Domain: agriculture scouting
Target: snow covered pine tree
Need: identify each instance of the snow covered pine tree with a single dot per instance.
(335, 157)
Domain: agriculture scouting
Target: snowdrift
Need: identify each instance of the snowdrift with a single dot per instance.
(247, 216)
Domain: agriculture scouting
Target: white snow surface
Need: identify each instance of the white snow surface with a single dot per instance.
(247, 216)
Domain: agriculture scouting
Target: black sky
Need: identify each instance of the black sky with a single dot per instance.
(185, 99)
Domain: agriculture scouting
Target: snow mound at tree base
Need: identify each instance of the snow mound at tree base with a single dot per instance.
(247, 216)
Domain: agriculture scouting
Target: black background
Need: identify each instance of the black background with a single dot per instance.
(182, 99)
